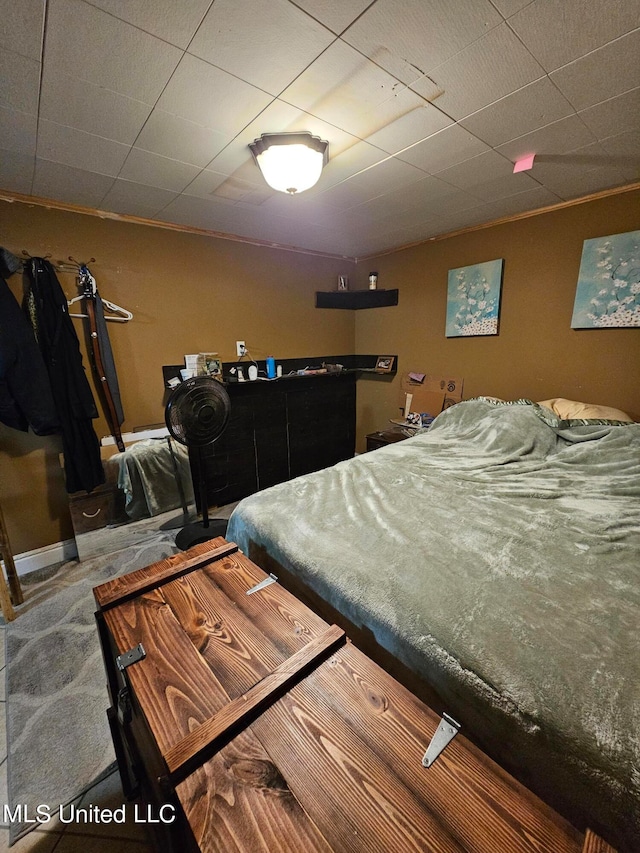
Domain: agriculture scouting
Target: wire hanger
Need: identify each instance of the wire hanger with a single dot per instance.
(88, 282)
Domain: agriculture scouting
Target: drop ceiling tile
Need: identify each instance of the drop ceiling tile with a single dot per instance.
(503, 187)
(560, 31)
(608, 71)
(412, 127)
(453, 203)
(306, 209)
(350, 92)
(209, 185)
(490, 68)
(265, 42)
(207, 182)
(586, 166)
(527, 109)
(416, 201)
(179, 139)
(79, 149)
(18, 131)
(477, 170)
(452, 145)
(573, 183)
(358, 157)
(401, 221)
(411, 38)
(507, 8)
(94, 109)
(22, 27)
(19, 82)
(623, 149)
(459, 220)
(119, 57)
(334, 14)
(134, 199)
(530, 200)
(244, 193)
(247, 173)
(143, 167)
(210, 97)
(16, 171)
(211, 215)
(372, 182)
(397, 237)
(281, 230)
(614, 116)
(166, 19)
(556, 138)
(433, 206)
(64, 183)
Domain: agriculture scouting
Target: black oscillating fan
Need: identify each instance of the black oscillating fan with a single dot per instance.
(196, 415)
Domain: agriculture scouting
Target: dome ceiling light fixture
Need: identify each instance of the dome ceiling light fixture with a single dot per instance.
(290, 162)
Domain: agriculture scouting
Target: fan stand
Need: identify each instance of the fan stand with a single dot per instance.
(181, 520)
(201, 531)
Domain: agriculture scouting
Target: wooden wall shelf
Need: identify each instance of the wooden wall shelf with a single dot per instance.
(355, 299)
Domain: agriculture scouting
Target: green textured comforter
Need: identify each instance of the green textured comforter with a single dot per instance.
(497, 555)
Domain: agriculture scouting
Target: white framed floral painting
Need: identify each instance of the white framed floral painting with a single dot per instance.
(473, 299)
(608, 291)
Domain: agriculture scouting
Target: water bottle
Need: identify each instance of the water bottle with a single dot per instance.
(271, 367)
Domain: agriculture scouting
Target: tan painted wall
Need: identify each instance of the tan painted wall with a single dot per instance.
(188, 293)
(191, 292)
(536, 354)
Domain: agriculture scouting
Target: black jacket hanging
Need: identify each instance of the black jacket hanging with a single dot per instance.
(25, 392)
(46, 306)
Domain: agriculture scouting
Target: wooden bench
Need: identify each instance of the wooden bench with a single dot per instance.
(267, 730)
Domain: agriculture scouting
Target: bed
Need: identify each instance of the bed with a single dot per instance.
(497, 556)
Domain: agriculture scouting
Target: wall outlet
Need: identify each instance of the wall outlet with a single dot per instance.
(241, 349)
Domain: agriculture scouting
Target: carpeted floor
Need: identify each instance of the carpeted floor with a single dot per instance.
(58, 739)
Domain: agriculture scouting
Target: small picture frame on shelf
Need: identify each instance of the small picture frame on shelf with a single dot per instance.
(384, 363)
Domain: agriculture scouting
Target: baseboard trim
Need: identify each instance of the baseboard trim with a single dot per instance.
(40, 558)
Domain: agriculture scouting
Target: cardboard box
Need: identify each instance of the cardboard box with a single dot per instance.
(432, 395)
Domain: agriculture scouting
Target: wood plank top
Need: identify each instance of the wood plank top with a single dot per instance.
(335, 762)
(594, 844)
(259, 696)
(115, 591)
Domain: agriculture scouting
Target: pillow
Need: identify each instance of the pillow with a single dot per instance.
(568, 410)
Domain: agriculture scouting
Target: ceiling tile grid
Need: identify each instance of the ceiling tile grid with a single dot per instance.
(147, 109)
(20, 82)
(85, 106)
(268, 43)
(490, 68)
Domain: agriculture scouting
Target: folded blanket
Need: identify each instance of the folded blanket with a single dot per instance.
(146, 474)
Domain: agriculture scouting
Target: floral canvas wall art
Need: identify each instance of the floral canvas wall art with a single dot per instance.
(608, 291)
(473, 299)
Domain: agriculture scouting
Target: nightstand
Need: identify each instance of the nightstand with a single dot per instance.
(375, 440)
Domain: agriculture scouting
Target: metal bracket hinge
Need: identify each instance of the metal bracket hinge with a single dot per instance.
(132, 656)
(266, 582)
(447, 729)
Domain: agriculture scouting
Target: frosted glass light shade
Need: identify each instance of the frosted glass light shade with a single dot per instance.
(290, 162)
